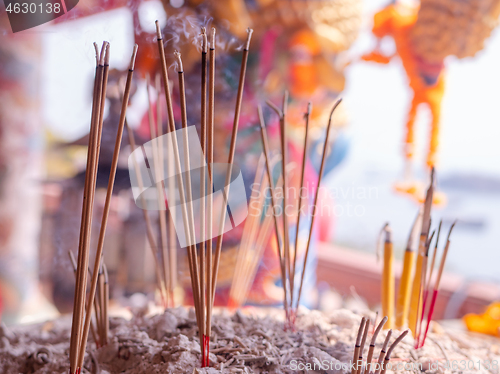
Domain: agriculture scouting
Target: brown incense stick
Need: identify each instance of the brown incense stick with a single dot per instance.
(88, 199)
(203, 138)
(393, 345)
(195, 277)
(232, 147)
(162, 212)
(372, 344)
(107, 204)
(159, 192)
(302, 179)
(284, 161)
(210, 162)
(357, 346)
(383, 351)
(265, 146)
(106, 304)
(362, 347)
(320, 176)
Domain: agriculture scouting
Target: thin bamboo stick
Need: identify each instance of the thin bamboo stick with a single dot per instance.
(417, 281)
(302, 179)
(265, 146)
(404, 293)
(106, 303)
(436, 284)
(232, 147)
(388, 281)
(372, 344)
(360, 365)
(357, 346)
(210, 162)
(107, 204)
(381, 356)
(393, 345)
(88, 199)
(320, 176)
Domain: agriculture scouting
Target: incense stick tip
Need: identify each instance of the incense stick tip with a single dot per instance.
(337, 103)
(204, 41)
(180, 67)
(249, 37)
(96, 47)
(158, 31)
(309, 108)
(451, 228)
(212, 42)
(107, 55)
(103, 52)
(132, 59)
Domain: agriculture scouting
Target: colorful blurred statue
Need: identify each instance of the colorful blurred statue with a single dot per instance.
(424, 35)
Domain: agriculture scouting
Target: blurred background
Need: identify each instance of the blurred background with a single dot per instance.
(318, 51)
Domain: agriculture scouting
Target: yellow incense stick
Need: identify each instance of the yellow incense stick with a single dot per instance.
(388, 280)
(416, 295)
(404, 293)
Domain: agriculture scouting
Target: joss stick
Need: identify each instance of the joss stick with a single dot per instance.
(424, 275)
(203, 139)
(372, 344)
(106, 303)
(161, 204)
(393, 345)
(357, 346)
(174, 143)
(388, 279)
(403, 299)
(284, 161)
(92, 327)
(299, 207)
(417, 280)
(436, 284)
(210, 161)
(315, 204)
(107, 204)
(265, 146)
(192, 256)
(362, 347)
(232, 147)
(88, 200)
(383, 351)
(162, 212)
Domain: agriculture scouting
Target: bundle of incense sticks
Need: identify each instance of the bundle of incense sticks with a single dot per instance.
(283, 241)
(359, 365)
(82, 309)
(203, 267)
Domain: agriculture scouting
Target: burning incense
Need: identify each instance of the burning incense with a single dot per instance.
(381, 356)
(393, 345)
(320, 176)
(107, 205)
(210, 161)
(403, 300)
(372, 344)
(232, 147)
(436, 284)
(357, 347)
(203, 121)
(417, 281)
(302, 178)
(88, 199)
(388, 282)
